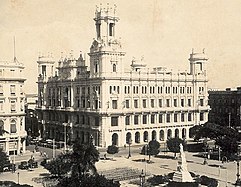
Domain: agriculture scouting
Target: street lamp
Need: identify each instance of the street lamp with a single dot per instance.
(142, 178)
(205, 153)
(129, 143)
(18, 177)
(91, 139)
(238, 181)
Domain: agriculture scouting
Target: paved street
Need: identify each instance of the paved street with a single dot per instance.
(159, 166)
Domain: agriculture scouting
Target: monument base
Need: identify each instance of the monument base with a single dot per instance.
(182, 176)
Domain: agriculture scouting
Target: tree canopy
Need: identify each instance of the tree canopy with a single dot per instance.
(81, 164)
(225, 137)
(173, 144)
(3, 159)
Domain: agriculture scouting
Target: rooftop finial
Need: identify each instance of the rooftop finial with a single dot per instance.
(192, 50)
(115, 8)
(203, 50)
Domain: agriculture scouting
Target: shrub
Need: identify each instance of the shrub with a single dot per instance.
(112, 149)
(182, 184)
(208, 181)
(158, 179)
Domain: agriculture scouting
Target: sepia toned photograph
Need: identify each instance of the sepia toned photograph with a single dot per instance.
(120, 93)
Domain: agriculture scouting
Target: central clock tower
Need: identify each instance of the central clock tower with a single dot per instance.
(106, 54)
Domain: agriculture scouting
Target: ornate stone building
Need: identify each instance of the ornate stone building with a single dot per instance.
(225, 107)
(12, 114)
(116, 106)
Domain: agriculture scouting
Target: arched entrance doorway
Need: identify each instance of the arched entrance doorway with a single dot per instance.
(184, 133)
(176, 133)
(137, 137)
(128, 138)
(161, 135)
(153, 135)
(169, 133)
(115, 139)
(145, 137)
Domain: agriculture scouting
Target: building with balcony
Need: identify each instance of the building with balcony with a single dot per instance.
(115, 105)
(12, 113)
(225, 107)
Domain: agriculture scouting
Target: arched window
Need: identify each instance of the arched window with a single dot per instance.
(114, 67)
(13, 128)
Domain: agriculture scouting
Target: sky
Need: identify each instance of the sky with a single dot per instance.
(164, 32)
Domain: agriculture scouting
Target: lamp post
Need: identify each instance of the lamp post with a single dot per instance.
(238, 181)
(129, 143)
(205, 153)
(142, 178)
(224, 160)
(91, 139)
(18, 177)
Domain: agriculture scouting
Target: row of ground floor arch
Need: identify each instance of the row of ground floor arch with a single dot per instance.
(139, 137)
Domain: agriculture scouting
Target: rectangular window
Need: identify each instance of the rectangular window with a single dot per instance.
(144, 103)
(12, 89)
(168, 102)
(127, 120)
(189, 116)
(182, 102)
(114, 104)
(13, 106)
(182, 117)
(1, 105)
(152, 118)
(160, 118)
(135, 103)
(189, 102)
(160, 102)
(127, 103)
(201, 116)
(135, 120)
(144, 119)
(77, 91)
(114, 121)
(1, 90)
(201, 102)
(168, 118)
(175, 117)
(96, 121)
(152, 103)
(175, 102)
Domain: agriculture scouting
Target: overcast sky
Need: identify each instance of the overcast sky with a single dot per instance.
(164, 32)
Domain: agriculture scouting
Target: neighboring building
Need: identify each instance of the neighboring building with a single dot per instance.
(116, 106)
(12, 114)
(31, 125)
(225, 107)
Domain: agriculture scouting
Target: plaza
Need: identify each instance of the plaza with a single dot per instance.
(163, 164)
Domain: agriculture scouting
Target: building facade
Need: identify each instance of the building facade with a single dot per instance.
(31, 121)
(115, 105)
(12, 114)
(225, 107)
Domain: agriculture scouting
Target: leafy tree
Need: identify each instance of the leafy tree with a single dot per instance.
(59, 166)
(88, 180)
(112, 149)
(83, 159)
(153, 148)
(3, 159)
(225, 137)
(173, 144)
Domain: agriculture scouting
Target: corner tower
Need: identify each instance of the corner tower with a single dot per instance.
(106, 52)
(198, 63)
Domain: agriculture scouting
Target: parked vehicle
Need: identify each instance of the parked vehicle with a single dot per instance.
(9, 167)
(23, 165)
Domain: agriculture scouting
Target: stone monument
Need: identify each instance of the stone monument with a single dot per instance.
(182, 174)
